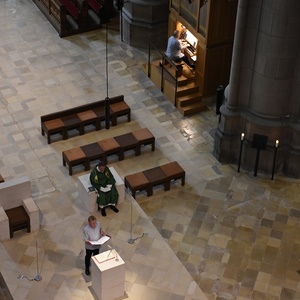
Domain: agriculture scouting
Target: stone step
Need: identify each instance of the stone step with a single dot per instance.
(187, 89)
(190, 104)
(189, 99)
(191, 109)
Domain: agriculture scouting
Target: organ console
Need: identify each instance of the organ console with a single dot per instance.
(188, 43)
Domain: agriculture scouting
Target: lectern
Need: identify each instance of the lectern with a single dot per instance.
(108, 275)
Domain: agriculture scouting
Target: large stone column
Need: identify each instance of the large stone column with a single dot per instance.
(143, 21)
(264, 90)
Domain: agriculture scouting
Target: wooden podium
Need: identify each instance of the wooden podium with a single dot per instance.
(108, 275)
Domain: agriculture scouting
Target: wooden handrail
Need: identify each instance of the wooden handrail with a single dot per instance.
(164, 58)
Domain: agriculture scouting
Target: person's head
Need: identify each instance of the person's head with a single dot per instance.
(101, 166)
(92, 221)
(176, 34)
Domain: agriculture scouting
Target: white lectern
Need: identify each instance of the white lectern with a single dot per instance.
(89, 198)
(108, 275)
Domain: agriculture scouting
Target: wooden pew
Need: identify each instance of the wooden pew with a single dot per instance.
(56, 14)
(81, 116)
(100, 150)
(148, 179)
(96, 5)
(77, 9)
(70, 17)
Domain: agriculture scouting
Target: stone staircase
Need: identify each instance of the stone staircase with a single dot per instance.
(188, 99)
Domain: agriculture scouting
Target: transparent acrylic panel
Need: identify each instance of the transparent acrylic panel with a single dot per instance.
(203, 18)
(189, 12)
(175, 4)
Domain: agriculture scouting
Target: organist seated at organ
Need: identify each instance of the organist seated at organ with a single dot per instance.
(174, 50)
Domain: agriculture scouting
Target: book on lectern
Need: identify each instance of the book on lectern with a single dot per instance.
(101, 241)
(91, 189)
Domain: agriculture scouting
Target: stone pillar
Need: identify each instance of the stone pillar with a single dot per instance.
(143, 21)
(264, 89)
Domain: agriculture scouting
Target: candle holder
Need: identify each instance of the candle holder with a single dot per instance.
(241, 149)
(275, 156)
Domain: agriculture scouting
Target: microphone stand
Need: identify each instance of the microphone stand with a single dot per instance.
(38, 277)
(132, 240)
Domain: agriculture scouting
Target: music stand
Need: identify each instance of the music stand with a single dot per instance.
(259, 142)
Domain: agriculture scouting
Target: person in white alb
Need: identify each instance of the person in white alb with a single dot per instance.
(91, 232)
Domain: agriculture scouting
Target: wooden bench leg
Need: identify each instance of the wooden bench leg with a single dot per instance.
(121, 155)
(183, 180)
(70, 170)
(114, 121)
(167, 185)
(153, 146)
(133, 193)
(149, 190)
(138, 150)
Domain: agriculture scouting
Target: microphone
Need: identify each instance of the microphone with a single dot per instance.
(113, 251)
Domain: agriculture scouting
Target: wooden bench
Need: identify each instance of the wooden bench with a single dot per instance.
(77, 118)
(148, 179)
(100, 150)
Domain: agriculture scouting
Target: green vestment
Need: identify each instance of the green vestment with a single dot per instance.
(98, 180)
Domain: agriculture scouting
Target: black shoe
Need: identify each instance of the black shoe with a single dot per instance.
(103, 213)
(114, 208)
(87, 272)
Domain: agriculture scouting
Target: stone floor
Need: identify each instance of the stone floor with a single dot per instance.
(224, 235)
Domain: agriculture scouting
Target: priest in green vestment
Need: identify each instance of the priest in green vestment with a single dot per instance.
(104, 182)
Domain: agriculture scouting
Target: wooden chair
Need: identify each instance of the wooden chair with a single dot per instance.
(17, 208)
